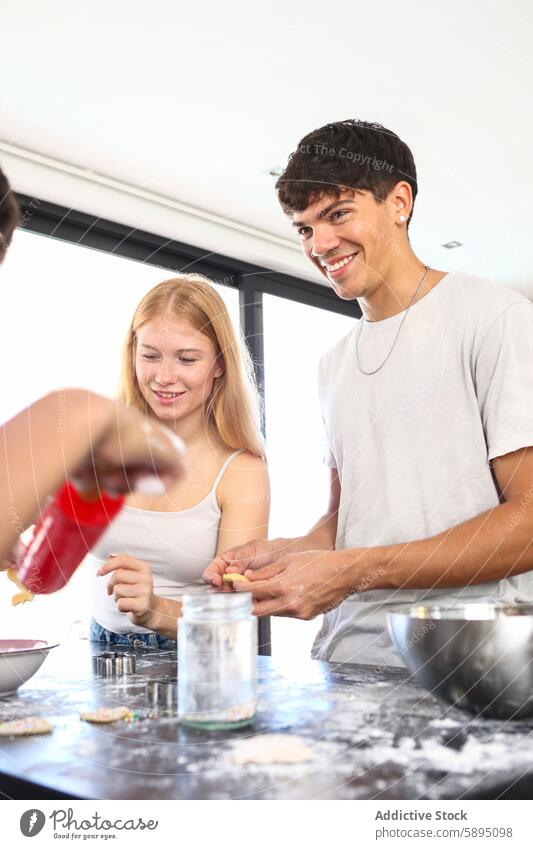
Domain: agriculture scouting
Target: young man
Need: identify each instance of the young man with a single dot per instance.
(428, 409)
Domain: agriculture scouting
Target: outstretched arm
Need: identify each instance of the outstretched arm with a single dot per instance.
(79, 435)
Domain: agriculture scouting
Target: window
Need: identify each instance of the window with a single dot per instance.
(295, 337)
(64, 314)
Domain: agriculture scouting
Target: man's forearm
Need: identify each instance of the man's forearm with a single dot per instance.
(321, 537)
(494, 545)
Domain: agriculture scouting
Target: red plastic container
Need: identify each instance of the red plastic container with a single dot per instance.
(66, 531)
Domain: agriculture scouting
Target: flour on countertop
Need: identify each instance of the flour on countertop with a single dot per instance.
(272, 749)
(474, 756)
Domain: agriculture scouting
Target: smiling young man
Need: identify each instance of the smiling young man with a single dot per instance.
(428, 411)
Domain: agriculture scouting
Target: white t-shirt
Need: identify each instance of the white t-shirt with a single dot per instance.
(412, 442)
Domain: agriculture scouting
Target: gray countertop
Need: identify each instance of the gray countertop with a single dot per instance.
(374, 734)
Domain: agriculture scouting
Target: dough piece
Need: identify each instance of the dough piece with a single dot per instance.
(25, 727)
(272, 749)
(103, 715)
(230, 577)
(22, 596)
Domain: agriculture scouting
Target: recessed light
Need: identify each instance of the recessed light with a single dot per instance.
(453, 244)
(276, 171)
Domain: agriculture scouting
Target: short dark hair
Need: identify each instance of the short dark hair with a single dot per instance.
(343, 155)
(9, 214)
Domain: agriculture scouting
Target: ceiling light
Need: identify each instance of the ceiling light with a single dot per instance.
(453, 244)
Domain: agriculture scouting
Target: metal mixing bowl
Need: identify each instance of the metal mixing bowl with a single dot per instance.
(478, 657)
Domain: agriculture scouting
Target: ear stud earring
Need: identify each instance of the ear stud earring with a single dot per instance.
(402, 217)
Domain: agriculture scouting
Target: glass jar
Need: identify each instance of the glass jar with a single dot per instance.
(217, 660)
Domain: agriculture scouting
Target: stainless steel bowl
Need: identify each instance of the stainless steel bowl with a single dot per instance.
(478, 657)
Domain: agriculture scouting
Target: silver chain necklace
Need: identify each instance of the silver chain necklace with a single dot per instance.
(426, 269)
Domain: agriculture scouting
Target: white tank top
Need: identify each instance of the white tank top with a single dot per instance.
(177, 545)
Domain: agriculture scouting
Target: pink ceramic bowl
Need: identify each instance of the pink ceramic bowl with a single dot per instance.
(19, 660)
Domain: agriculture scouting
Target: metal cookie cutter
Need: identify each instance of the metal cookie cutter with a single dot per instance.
(114, 664)
(162, 693)
(96, 658)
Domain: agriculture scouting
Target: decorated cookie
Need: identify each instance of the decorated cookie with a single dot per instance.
(25, 727)
(103, 715)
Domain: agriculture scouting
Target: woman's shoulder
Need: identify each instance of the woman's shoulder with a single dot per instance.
(242, 465)
(245, 459)
(246, 473)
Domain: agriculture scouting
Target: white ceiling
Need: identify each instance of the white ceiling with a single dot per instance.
(196, 102)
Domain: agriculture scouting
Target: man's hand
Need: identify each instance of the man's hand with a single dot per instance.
(132, 586)
(244, 559)
(300, 585)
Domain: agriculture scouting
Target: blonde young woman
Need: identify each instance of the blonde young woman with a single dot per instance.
(184, 367)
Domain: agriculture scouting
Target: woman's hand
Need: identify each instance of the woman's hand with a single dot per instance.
(132, 586)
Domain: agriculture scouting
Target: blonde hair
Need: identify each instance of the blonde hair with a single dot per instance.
(233, 407)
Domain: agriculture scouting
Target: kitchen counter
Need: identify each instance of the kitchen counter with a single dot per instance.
(374, 734)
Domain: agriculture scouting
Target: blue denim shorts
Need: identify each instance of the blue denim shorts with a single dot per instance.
(97, 634)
